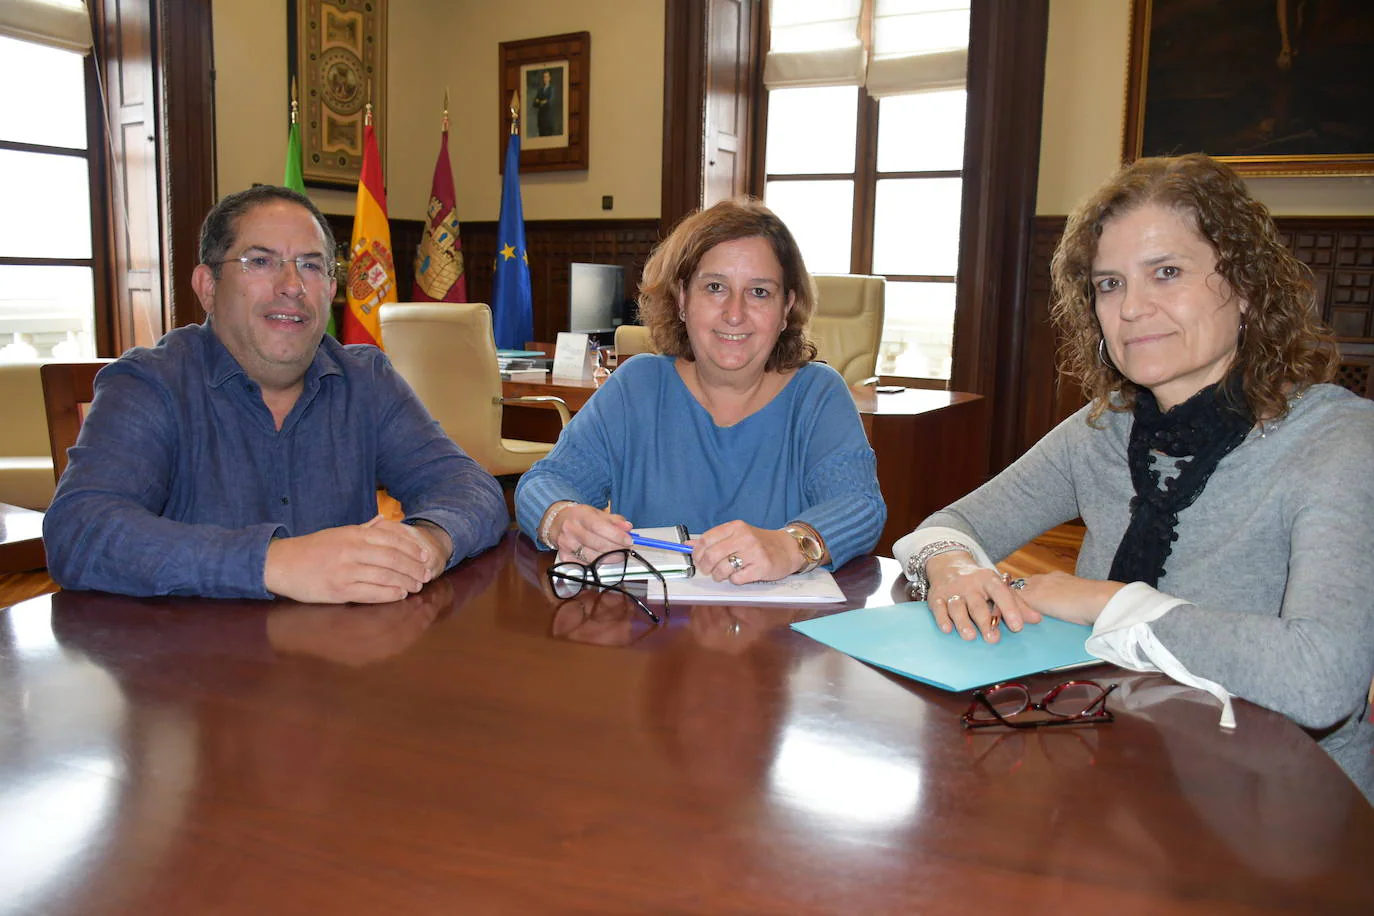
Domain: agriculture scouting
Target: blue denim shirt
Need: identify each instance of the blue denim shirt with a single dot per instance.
(180, 479)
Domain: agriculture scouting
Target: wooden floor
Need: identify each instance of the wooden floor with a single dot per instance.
(1055, 549)
(17, 587)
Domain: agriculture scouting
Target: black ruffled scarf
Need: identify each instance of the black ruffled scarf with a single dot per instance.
(1204, 429)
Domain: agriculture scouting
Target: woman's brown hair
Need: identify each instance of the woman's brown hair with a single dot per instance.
(1283, 346)
(674, 261)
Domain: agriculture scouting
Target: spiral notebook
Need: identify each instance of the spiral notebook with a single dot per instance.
(672, 564)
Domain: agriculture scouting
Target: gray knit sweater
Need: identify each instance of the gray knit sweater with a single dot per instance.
(1276, 555)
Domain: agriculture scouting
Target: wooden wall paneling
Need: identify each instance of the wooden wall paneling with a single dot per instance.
(100, 170)
(684, 109)
(552, 244)
(733, 74)
(124, 43)
(187, 146)
(1006, 75)
(1341, 254)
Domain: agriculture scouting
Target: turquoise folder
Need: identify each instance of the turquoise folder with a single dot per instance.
(903, 639)
(517, 354)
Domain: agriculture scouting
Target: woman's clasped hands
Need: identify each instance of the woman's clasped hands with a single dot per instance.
(976, 600)
(973, 599)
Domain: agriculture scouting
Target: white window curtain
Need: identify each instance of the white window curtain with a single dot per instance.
(910, 45)
(62, 24)
(814, 43)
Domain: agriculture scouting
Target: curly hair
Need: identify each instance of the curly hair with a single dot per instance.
(1283, 345)
(675, 260)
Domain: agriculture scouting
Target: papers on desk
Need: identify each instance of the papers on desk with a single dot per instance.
(538, 376)
(903, 639)
(815, 587)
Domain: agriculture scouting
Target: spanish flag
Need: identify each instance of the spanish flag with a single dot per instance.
(371, 272)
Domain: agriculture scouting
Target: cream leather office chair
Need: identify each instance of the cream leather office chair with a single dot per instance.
(446, 352)
(631, 339)
(26, 477)
(848, 323)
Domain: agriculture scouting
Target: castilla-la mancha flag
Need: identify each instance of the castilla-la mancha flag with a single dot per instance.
(439, 275)
(371, 271)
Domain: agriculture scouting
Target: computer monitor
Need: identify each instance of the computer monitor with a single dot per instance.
(596, 298)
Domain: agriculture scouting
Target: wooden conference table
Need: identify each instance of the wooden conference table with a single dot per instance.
(480, 749)
(923, 441)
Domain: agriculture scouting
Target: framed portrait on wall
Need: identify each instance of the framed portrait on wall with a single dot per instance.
(338, 52)
(551, 78)
(544, 124)
(1284, 87)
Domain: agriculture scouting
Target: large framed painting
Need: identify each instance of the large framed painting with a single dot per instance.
(338, 52)
(1279, 87)
(550, 79)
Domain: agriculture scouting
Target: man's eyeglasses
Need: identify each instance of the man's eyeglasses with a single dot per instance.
(607, 571)
(1010, 705)
(309, 266)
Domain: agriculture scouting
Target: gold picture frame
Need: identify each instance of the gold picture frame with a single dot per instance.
(1271, 90)
(338, 53)
(552, 76)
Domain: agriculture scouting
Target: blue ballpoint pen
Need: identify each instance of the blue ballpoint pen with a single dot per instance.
(674, 546)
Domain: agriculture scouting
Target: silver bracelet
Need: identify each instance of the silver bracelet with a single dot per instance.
(916, 565)
(547, 527)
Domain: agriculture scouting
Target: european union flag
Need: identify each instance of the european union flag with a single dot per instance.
(512, 309)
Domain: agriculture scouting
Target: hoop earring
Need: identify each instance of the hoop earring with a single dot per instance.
(1102, 352)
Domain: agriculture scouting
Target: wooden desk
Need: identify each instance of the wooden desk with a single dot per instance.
(21, 539)
(162, 757)
(932, 446)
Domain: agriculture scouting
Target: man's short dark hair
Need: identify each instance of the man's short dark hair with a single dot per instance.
(217, 232)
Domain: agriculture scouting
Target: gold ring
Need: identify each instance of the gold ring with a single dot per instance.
(578, 553)
(735, 561)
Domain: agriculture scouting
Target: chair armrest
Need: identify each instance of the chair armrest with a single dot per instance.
(545, 401)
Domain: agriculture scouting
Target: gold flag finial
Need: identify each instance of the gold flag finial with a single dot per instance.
(367, 109)
(445, 121)
(515, 112)
(295, 106)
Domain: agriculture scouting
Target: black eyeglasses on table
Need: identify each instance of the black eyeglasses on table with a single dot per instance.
(1010, 705)
(607, 572)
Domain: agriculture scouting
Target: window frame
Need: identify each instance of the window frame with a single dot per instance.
(865, 177)
(94, 157)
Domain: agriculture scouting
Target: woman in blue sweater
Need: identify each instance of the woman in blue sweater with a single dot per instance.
(733, 431)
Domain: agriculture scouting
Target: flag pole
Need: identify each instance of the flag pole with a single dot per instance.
(515, 112)
(295, 106)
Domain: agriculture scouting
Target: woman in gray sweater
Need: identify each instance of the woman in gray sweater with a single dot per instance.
(1227, 491)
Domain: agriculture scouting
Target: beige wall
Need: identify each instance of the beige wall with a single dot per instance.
(1085, 111)
(435, 44)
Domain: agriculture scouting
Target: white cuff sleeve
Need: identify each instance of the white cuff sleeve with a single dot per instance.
(1122, 636)
(911, 544)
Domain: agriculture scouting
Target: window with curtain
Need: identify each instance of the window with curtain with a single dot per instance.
(47, 299)
(864, 150)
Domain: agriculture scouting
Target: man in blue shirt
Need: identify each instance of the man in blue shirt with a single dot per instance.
(241, 457)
